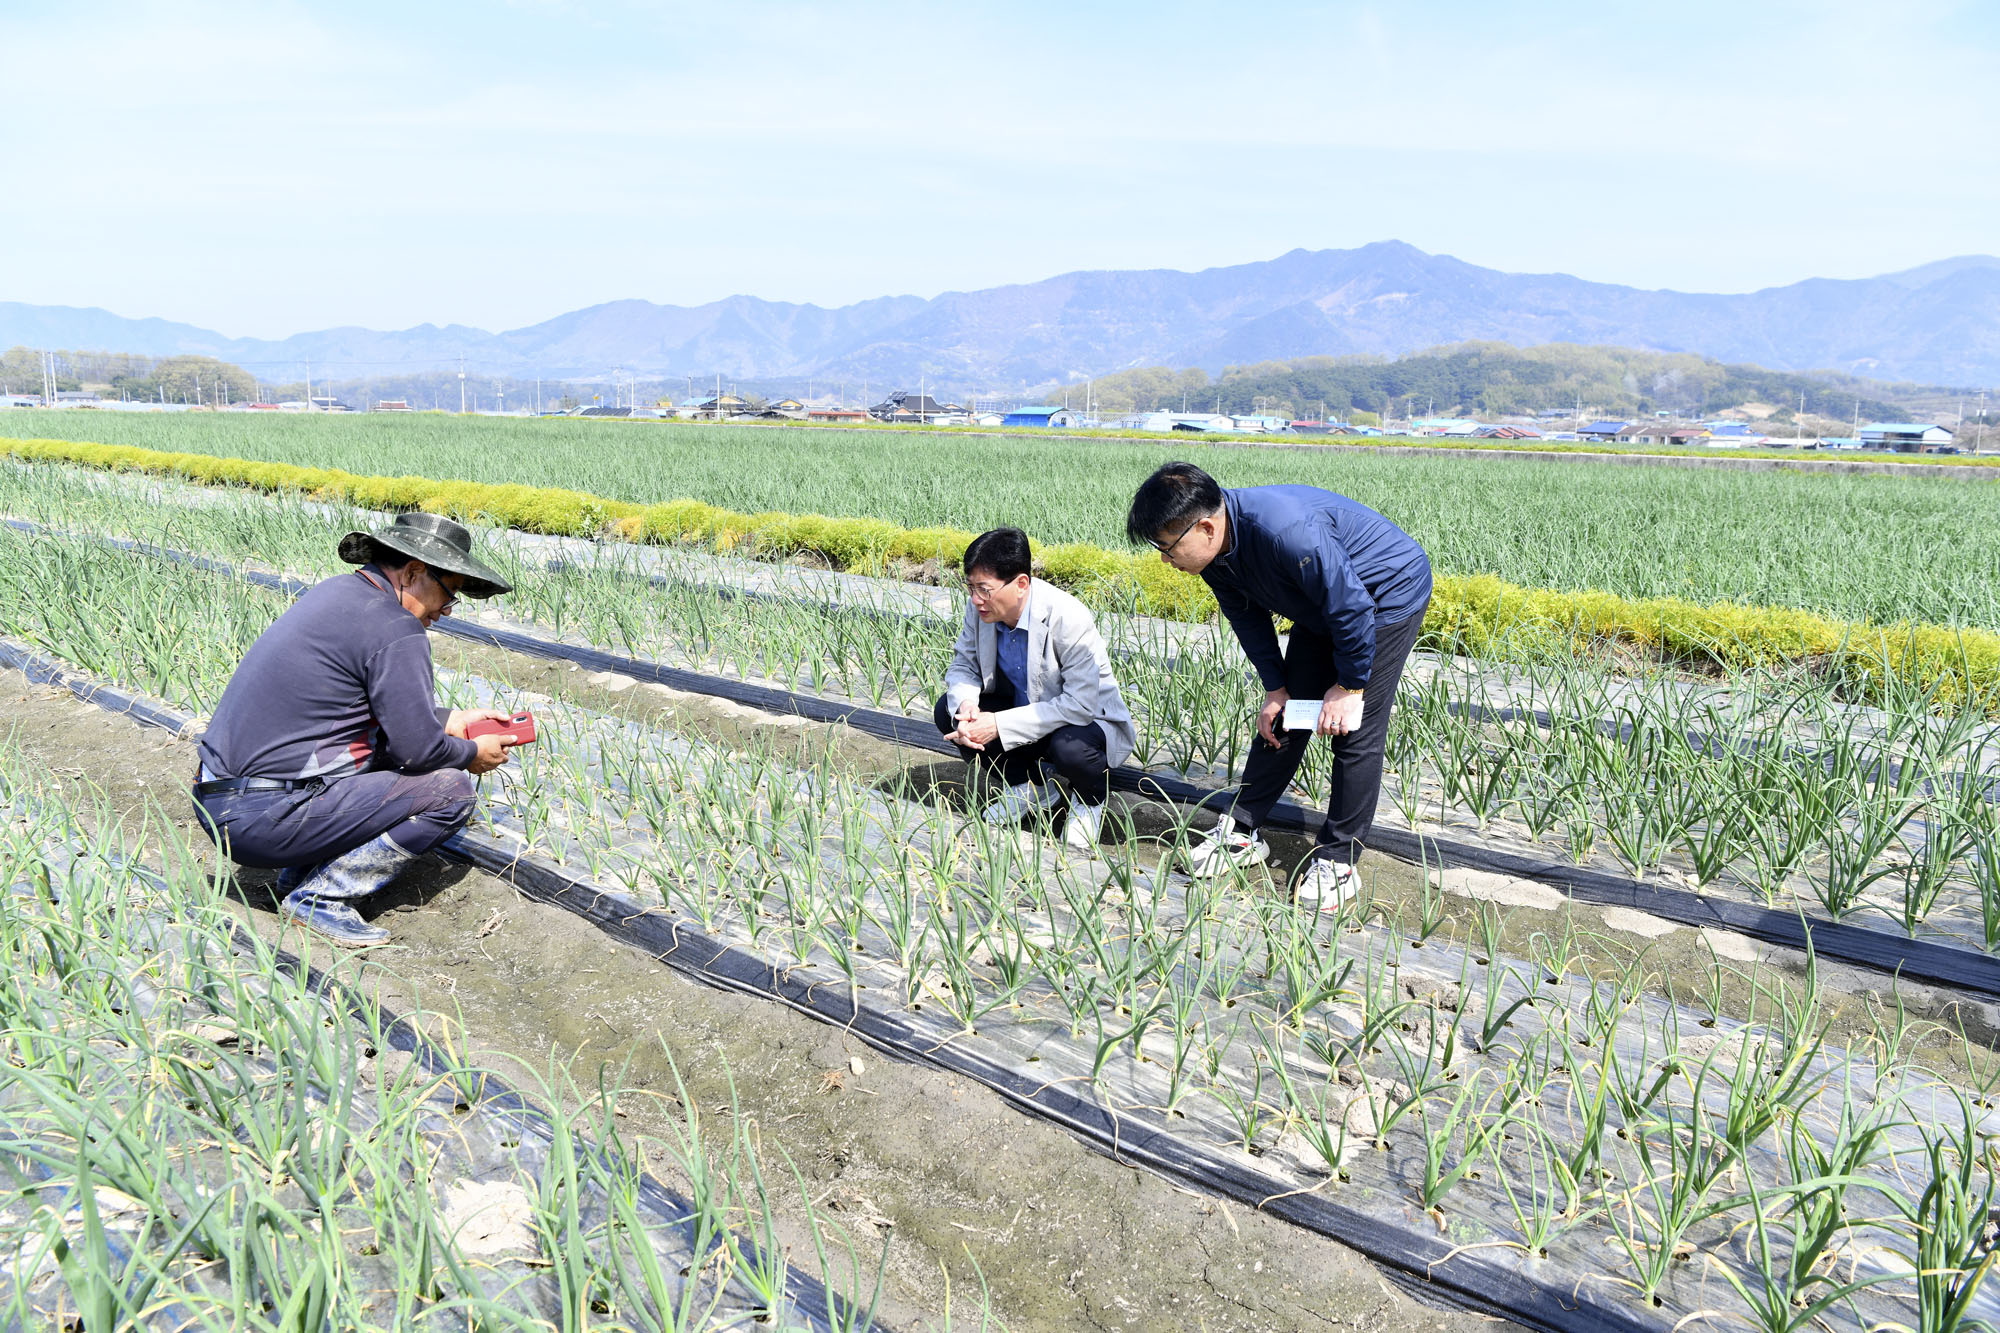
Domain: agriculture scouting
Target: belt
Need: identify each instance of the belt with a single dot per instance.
(231, 786)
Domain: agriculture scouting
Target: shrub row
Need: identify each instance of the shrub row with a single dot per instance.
(1469, 613)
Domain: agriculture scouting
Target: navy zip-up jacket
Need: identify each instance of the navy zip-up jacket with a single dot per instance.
(1332, 566)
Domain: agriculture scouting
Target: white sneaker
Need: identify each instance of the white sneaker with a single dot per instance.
(1327, 885)
(1019, 801)
(1226, 849)
(1085, 826)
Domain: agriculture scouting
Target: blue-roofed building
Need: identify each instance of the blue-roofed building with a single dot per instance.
(1729, 430)
(1905, 437)
(1603, 430)
(1039, 416)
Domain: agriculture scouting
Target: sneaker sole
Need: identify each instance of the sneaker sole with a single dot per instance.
(1257, 856)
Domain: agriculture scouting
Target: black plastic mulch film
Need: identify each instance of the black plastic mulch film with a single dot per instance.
(809, 1298)
(1917, 960)
(1409, 1255)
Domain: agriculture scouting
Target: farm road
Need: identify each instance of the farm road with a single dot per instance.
(1066, 1239)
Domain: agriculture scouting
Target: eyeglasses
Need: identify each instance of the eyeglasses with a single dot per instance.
(451, 594)
(983, 589)
(1168, 549)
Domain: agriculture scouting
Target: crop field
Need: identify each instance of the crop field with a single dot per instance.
(1857, 548)
(203, 1133)
(1679, 1011)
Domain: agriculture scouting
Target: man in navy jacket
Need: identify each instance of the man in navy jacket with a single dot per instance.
(1355, 587)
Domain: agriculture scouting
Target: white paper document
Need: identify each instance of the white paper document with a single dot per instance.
(1301, 714)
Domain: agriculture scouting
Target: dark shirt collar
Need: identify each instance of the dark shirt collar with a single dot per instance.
(1234, 513)
(376, 576)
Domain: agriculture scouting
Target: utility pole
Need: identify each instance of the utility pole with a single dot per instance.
(1799, 421)
(461, 386)
(309, 387)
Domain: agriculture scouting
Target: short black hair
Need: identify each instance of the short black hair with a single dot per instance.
(1175, 495)
(1003, 553)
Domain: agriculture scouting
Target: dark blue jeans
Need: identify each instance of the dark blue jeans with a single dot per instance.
(278, 829)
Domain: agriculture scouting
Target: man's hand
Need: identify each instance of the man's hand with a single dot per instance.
(461, 718)
(492, 752)
(1267, 717)
(976, 731)
(1339, 712)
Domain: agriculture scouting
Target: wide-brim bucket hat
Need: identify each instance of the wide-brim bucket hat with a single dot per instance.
(445, 547)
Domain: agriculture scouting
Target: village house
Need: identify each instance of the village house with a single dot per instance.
(1906, 437)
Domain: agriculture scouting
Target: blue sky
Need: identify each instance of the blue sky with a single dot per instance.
(263, 168)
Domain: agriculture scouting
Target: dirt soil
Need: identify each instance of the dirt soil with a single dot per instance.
(963, 1190)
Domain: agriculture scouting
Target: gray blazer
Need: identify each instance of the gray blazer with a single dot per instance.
(1070, 681)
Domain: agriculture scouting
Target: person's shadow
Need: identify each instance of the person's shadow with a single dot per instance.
(422, 880)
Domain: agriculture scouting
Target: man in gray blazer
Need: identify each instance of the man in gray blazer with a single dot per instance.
(1030, 683)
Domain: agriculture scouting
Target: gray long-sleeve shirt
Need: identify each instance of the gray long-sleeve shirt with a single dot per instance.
(340, 683)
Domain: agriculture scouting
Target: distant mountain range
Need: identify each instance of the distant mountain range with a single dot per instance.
(1937, 324)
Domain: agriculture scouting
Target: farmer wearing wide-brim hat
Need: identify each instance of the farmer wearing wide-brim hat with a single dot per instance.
(328, 757)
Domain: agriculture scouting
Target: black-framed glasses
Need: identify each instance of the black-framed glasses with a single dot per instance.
(1168, 549)
(451, 594)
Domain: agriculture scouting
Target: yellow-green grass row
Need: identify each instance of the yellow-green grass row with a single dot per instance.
(1473, 613)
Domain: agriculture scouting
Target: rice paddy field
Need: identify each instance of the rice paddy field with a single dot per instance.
(1670, 1001)
(1851, 547)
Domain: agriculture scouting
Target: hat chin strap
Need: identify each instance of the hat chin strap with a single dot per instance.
(384, 582)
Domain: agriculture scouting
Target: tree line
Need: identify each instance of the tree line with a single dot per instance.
(1493, 379)
(171, 379)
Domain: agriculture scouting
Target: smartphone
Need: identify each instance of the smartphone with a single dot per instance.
(1301, 714)
(521, 727)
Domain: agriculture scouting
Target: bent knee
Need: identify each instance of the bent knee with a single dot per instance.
(1080, 746)
(448, 793)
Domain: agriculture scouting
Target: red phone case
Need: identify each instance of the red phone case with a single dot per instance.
(521, 726)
